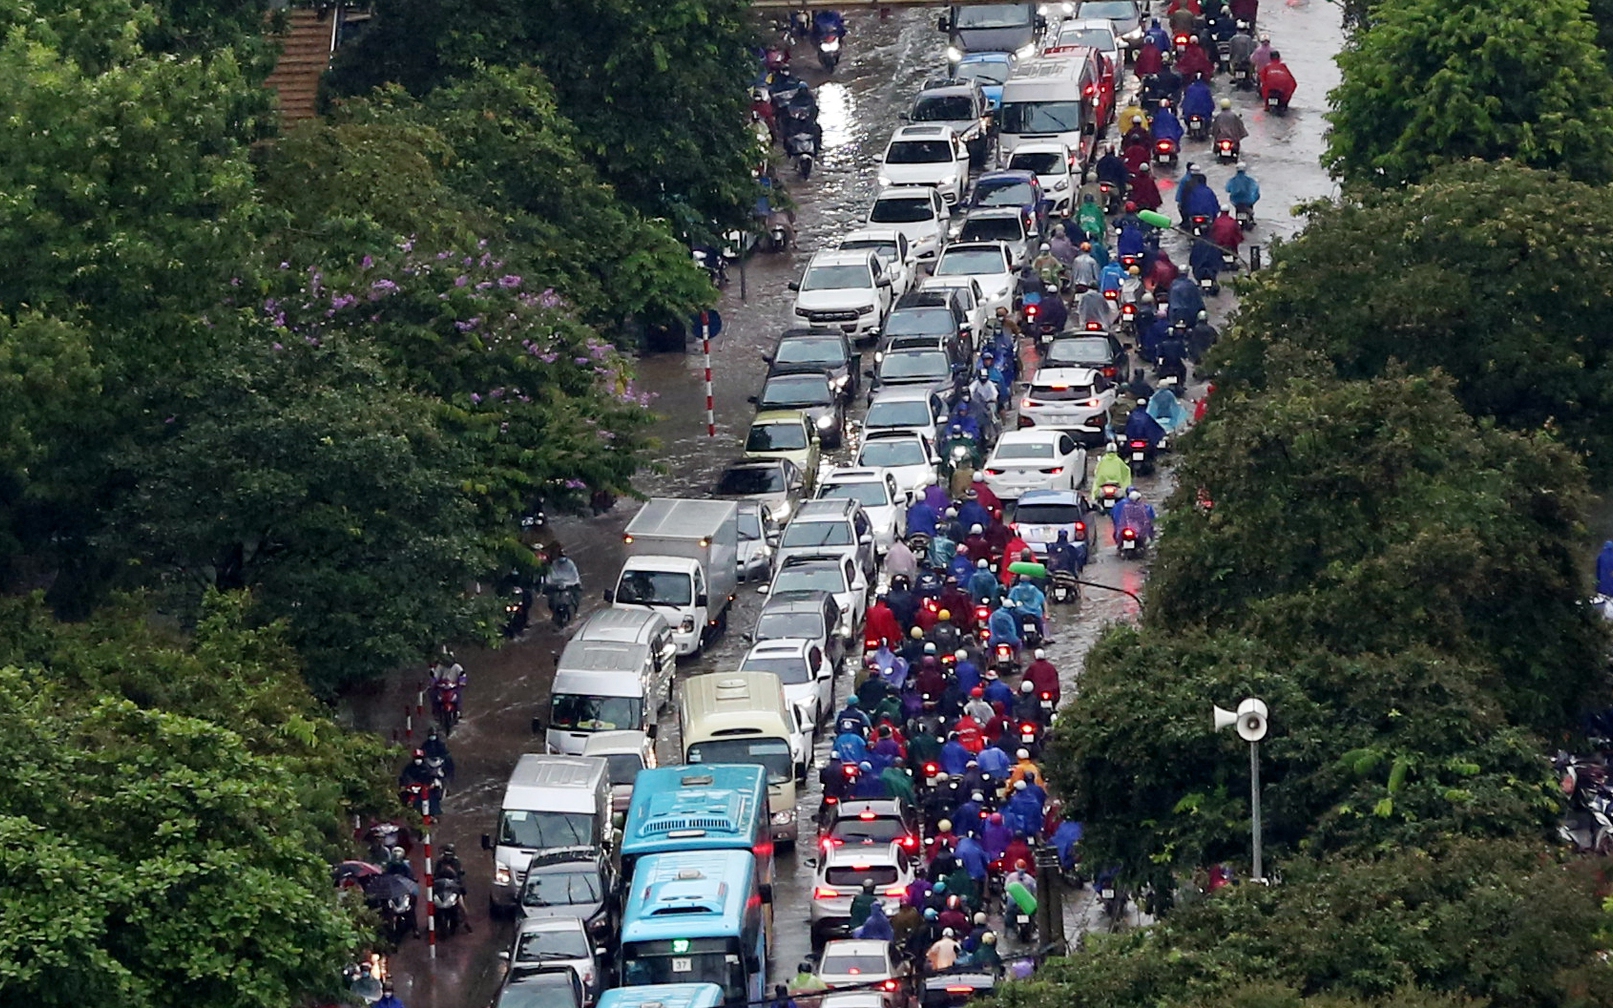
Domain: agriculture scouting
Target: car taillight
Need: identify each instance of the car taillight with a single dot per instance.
(911, 842)
(1054, 471)
(889, 985)
(994, 472)
(865, 816)
(960, 990)
(1094, 327)
(824, 892)
(1080, 528)
(830, 843)
(1026, 403)
(1109, 372)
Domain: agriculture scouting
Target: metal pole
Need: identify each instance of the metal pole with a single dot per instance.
(705, 349)
(1254, 258)
(1049, 911)
(1254, 805)
(431, 905)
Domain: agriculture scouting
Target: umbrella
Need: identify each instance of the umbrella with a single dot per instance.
(381, 888)
(349, 872)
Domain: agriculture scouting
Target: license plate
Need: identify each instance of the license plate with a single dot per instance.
(1137, 456)
(683, 965)
(1047, 705)
(1106, 894)
(1128, 544)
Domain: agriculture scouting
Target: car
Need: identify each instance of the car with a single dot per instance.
(910, 458)
(1000, 224)
(571, 882)
(1005, 27)
(546, 988)
(774, 482)
(1040, 515)
(1057, 170)
(905, 408)
(960, 103)
(802, 615)
(545, 944)
(812, 394)
(1095, 33)
(957, 296)
(865, 963)
(924, 327)
(970, 300)
(874, 489)
(991, 263)
(839, 575)
(845, 289)
(805, 670)
(835, 526)
(955, 989)
(1035, 459)
(1124, 16)
(1013, 188)
(788, 434)
(1077, 400)
(1099, 350)
(893, 249)
(918, 213)
(758, 536)
(855, 998)
(817, 351)
(873, 821)
(625, 753)
(989, 70)
(933, 368)
(839, 875)
(926, 155)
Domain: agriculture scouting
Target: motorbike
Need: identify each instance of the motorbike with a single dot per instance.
(1223, 56)
(1128, 317)
(1004, 661)
(445, 703)
(1165, 151)
(1209, 285)
(563, 603)
(447, 895)
(1229, 261)
(983, 622)
(1198, 224)
(1110, 196)
(711, 261)
(1028, 631)
(780, 234)
(517, 610)
(1198, 127)
(1243, 77)
(1064, 589)
(919, 543)
(1022, 924)
(397, 918)
(1226, 151)
(829, 51)
(802, 147)
(1274, 103)
(1110, 493)
(1141, 452)
(1245, 216)
(1132, 544)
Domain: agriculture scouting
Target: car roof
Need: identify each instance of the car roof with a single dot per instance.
(1006, 175)
(798, 376)
(857, 946)
(904, 192)
(853, 474)
(838, 257)
(1035, 147)
(786, 647)
(796, 600)
(826, 510)
(970, 246)
(1049, 497)
(1028, 435)
(558, 859)
(946, 85)
(1064, 376)
(812, 560)
(1103, 23)
(1012, 213)
(558, 923)
(879, 233)
(927, 131)
(614, 743)
(879, 806)
(902, 393)
(776, 416)
(865, 854)
(926, 297)
(754, 463)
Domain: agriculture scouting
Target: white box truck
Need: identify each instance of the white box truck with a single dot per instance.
(682, 561)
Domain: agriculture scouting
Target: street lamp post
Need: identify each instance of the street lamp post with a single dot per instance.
(1250, 719)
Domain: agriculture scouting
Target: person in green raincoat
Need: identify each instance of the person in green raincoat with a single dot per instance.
(1090, 218)
(1111, 468)
(961, 885)
(897, 782)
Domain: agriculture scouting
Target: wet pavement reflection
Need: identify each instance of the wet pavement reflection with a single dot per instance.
(887, 61)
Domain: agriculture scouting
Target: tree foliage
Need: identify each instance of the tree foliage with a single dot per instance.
(1429, 82)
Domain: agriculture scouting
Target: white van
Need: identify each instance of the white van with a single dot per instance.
(602, 686)
(742, 717)
(549, 801)
(1052, 100)
(635, 626)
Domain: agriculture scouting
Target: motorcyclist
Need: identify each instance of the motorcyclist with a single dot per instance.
(1198, 200)
(1228, 125)
(1204, 259)
(1137, 132)
(1261, 57)
(1004, 625)
(1112, 468)
(1140, 425)
(1135, 514)
(921, 518)
(1091, 306)
(852, 718)
(1084, 270)
(983, 586)
(806, 981)
(827, 23)
(881, 624)
(1029, 598)
(1144, 191)
(1157, 34)
(1186, 301)
(1089, 218)
(1111, 169)
(1201, 337)
(1162, 273)
(1242, 189)
(1193, 62)
(562, 576)
(1062, 247)
(1048, 267)
(1150, 60)
(1165, 125)
(1277, 79)
(1183, 21)
(1246, 11)
(1198, 102)
(983, 403)
(1165, 84)
(1225, 231)
(1136, 153)
(1241, 50)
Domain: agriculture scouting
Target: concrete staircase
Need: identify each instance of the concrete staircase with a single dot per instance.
(308, 41)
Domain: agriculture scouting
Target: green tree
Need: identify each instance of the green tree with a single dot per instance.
(1428, 83)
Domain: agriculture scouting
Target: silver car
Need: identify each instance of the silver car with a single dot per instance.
(550, 942)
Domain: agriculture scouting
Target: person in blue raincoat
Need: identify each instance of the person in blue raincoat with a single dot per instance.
(955, 756)
(1157, 34)
(1029, 598)
(851, 747)
(1604, 570)
(1111, 278)
(1063, 555)
(921, 517)
(1134, 513)
(962, 567)
(1204, 260)
(973, 513)
(1004, 625)
(1186, 301)
(1141, 425)
(877, 927)
(1197, 199)
(979, 590)
(1242, 189)
(1198, 100)
(1168, 410)
(1165, 125)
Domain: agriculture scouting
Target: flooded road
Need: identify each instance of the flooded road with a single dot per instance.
(887, 60)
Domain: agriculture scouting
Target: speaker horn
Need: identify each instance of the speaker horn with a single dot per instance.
(1223, 718)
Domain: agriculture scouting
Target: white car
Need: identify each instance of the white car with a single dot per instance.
(845, 289)
(918, 212)
(625, 754)
(926, 155)
(1073, 399)
(894, 250)
(905, 408)
(881, 500)
(1035, 459)
(1056, 169)
(839, 576)
(907, 456)
(990, 263)
(1099, 33)
(968, 289)
(862, 963)
(841, 871)
(758, 534)
(805, 671)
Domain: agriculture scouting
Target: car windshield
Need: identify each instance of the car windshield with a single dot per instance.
(623, 767)
(909, 413)
(574, 712)
(984, 71)
(992, 229)
(1009, 194)
(807, 350)
(836, 278)
(919, 322)
(1040, 162)
(906, 210)
(1041, 117)
(541, 830)
(971, 262)
(796, 390)
(868, 493)
(568, 943)
(561, 889)
(1060, 393)
(1047, 514)
(918, 152)
(791, 671)
(1097, 38)
(852, 876)
(770, 753)
(886, 250)
(821, 533)
(750, 525)
(943, 108)
(875, 831)
(892, 453)
(1082, 350)
(776, 437)
(668, 588)
(993, 16)
(844, 964)
(751, 481)
(915, 364)
(538, 992)
(1024, 450)
(818, 577)
(1114, 10)
(790, 626)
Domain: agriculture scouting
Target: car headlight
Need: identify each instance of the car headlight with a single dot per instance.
(1025, 51)
(826, 421)
(867, 309)
(841, 381)
(687, 626)
(879, 356)
(1061, 185)
(884, 181)
(784, 818)
(1134, 35)
(501, 874)
(954, 54)
(804, 313)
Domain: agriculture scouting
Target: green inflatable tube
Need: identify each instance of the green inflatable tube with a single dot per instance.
(1153, 217)
(1030, 570)
(1022, 897)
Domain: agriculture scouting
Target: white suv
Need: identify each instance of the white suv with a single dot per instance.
(918, 212)
(929, 155)
(1071, 399)
(848, 290)
(876, 490)
(1055, 168)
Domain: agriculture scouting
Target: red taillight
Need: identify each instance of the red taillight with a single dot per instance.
(1027, 729)
(1226, 145)
(981, 612)
(1089, 90)
(865, 816)
(1047, 696)
(1080, 528)
(1031, 310)
(994, 472)
(932, 605)
(850, 770)
(1128, 309)
(1138, 445)
(1094, 327)
(911, 842)
(889, 985)
(1054, 472)
(960, 990)
(896, 891)
(1164, 146)
(1112, 295)
(1128, 534)
(1003, 650)
(854, 970)
(931, 769)
(1181, 40)
(824, 892)
(1109, 372)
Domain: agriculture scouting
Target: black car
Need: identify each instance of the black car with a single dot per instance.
(571, 882)
(947, 298)
(923, 327)
(545, 988)
(952, 989)
(817, 351)
(814, 394)
(1100, 350)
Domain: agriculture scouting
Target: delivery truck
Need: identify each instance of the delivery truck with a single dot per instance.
(682, 561)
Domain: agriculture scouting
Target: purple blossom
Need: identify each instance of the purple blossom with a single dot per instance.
(509, 281)
(235, 281)
(549, 299)
(280, 319)
(497, 393)
(576, 484)
(579, 360)
(340, 301)
(548, 358)
(285, 265)
(475, 397)
(366, 262)
(485, 260)
(384, 286)
(444, 255)
(277, 346)
(170, 420)
(461, 280)
(408, 246)
(482, 243)
(484, 285)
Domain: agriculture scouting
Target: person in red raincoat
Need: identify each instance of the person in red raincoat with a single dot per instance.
(985, 495)
(1011, 553)
(1193, 62)
(1162, 273)
(1150, 60)
(1136, 156)
(1225, 232)
(1137, 132)
(1277, 79)
(881, 624)
(1144, 192)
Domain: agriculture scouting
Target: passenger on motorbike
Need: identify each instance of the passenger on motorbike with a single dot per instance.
(1204, 260)
(1186, 301)
(1111, 169)
(1167, 408)
(1135, 514)
(1137, 134)
(1144, 191)
(1136, 153)
(1062, 247)
(1063, 555)
(1194, 62)
(1004, 625)
(1183, 22)
(1241, 50)
(1048, 267)
(1029, 598)
(1198, 200)
(921, 518)
(1242, 189)
(1225, 232)
(1150, 60)
(1089, 218)
(1141, 425)
(1165, 125)
(1165, 84)
(1157, 34)
(1228, 125)
(983, 403)
(1112, 278)
(1262, 54)
(1277, 79)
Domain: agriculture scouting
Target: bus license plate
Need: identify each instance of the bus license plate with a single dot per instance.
(682, 965)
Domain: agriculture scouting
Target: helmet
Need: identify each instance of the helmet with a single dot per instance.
(944, 614)
(1086, 246)
(1046, 247)
(1041, 653)
(1142, 168)
(1135, 271)
(1111, 448)
(980, 917)
(1027, 687)
(945, 825)
(1243, 169)
(1134, 494)
(1023, 754)
(1142, 402)
(960, 654)
(1131, 207)
(1226, 103)
(929, 648)
(916, 633)
(977, 691)
(419, 754)
(989, 938)
(1137, 119)
(1265, 38)
(1009, 603)
(868, 885)
(977, 529)
(946, 932)
(1204, 316)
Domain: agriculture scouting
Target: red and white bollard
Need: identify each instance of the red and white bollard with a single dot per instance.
(431, 905)
(705, 349)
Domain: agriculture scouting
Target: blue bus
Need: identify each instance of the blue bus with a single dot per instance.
(679, 995)
(696, 917)
(721, 806)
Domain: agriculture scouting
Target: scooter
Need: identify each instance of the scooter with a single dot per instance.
(1003, 660)
(1132, 544)
(1245, 216)
(1142, 459)
(1274, 103)
(802, 149)
(1064, 589)
(1165, 151)
(1198, 127)
(829, 51)
(1109, 195)
(563, 603)
(1198, 224)
(1110, 493)
(1029, 633)
(1243, 77)
(1226, 151)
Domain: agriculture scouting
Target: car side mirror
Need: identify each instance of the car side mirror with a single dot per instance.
(866, 540)
(767, 358)
(608, 595)
(904, 117)
(537, 726)
(653, 730)
(794, 286)
(1041, 22)
(772, 539)
(883, 281)
(763, 589)
(487, 841)
(702, 600)
(943, 23)
(870, 373)
(752, 400)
